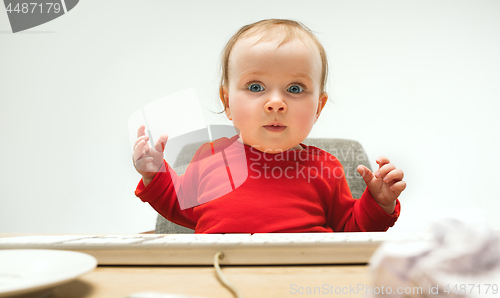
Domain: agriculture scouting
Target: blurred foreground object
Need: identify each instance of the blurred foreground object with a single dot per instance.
(463, 260)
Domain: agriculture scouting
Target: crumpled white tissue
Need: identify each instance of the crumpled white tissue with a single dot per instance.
(463, 260)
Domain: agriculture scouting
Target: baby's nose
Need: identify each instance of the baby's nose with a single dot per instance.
(275, 105)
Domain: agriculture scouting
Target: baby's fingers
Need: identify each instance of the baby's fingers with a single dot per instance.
(383, 170)
(365, 173)
(398, 187)
(142, 163)
(141, 131)
(144, 137)
(396, 175)
(382, 160)
(139, 150)
(161, 142)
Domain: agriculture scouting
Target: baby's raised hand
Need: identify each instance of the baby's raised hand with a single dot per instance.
(147, 161)
(386, 184)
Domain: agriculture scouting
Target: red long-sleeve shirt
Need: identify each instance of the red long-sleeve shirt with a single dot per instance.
(233, 188)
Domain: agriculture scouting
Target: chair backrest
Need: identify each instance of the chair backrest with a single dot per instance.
(350, 154)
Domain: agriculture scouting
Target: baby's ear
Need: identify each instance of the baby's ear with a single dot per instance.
(323, 98)
(224, 97)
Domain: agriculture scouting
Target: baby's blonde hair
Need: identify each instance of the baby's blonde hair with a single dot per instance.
(286, 30)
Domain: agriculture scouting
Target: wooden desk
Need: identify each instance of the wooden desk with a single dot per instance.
(251, 281)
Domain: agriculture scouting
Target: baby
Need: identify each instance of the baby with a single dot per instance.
(273, 90)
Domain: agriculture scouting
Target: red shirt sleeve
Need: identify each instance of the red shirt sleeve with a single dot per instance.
(161, 195)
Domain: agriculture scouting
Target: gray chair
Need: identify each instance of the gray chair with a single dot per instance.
(349, 153)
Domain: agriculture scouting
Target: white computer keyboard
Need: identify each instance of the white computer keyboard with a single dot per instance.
(199, 249)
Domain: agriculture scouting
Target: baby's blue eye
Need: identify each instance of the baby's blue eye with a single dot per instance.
(295, 89)
(255, 87)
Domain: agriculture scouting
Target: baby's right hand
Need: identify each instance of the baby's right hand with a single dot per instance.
(147, 161)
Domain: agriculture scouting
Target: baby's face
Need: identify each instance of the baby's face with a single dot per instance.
(274, 93)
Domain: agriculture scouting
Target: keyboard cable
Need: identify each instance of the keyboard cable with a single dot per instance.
(219, 256)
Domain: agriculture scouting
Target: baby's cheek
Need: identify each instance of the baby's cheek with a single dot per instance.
(243, 116)
(307, 116)
(240, 112)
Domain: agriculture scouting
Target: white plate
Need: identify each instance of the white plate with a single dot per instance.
(24, 271)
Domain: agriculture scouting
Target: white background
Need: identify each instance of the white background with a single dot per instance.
(417, 81)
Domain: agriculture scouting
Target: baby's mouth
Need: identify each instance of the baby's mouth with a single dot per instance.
(275, 128)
